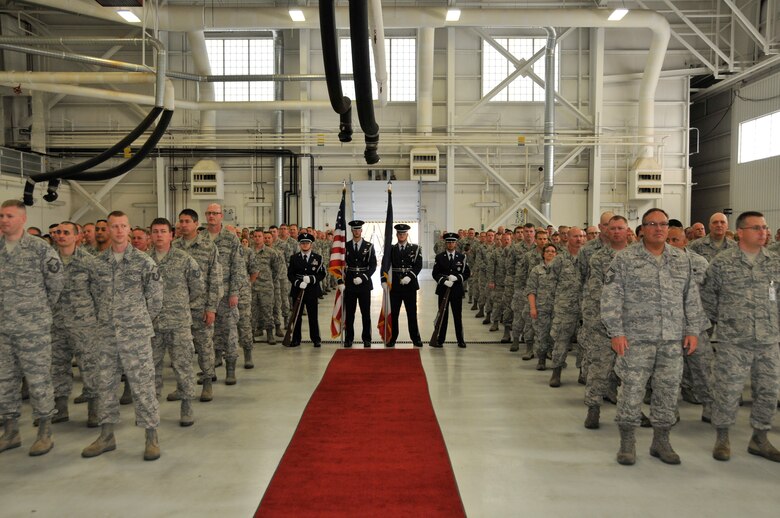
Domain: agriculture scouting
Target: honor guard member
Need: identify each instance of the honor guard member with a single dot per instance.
(406, 262)
(31, 279)
(451, 270)
(305, 273)
(360, 258)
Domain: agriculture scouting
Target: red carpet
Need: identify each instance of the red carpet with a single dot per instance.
(368, 445)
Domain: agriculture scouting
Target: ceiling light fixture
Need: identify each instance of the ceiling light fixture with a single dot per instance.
(129, 16)
(297, 15)
(618, 14)
(453, 15)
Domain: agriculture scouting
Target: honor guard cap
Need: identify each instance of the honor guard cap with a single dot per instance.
(356, 224)
(305, 237)
(451, 236)
(402, 227)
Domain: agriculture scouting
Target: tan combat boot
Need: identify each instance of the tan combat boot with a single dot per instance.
(627, 453)
(61, 406)
(127, 395)
(187, 416)
(529, 351)
(105, 442)
(507, 335)
(44, 443)
(248, 363)
(662, 448)
(92, 414)
(271, 338)
(152, 451)
(592, 419)
(11, 437)
(230, 372)
(760, 445)
(515, 345)
(722, 448)
(555, 379)
(205, 394)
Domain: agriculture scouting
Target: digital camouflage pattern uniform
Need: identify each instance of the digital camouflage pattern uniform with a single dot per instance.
(75, 331)
(31, 279)
(183, 285)
(245, 303)
(707, 249)
(699, 364)
(205, 253)
(541, 283)
(741, 297)
(233, 275)
(566, 315)
(654, 305)
(134, 297)
(266, 263)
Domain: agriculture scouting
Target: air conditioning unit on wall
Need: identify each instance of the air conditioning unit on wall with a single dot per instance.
(646, 180)
(207, 181)
(424, 164)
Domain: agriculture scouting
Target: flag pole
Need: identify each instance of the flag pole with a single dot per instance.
(343, 278)
(390, 273)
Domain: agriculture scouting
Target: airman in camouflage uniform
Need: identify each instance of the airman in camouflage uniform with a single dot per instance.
(134, 297)
(488, 265)
(75, 330)
(245, 310)
(182, 285)
(540, 290)
(531, 259)
(740, 294)
(651, 308)
(287, 250)
(233, 277)
(475, 281)
(567, 301)
(518, 300)
(499, 280)
(267, 264)
(716, 241)
(598, 351)
(31, 279)
(204, 309)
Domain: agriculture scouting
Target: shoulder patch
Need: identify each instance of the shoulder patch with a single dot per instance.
(609, 277)
(53, 265)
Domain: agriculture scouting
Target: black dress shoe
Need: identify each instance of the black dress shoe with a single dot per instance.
(437, 345)
(462, 345)
(366, 345)
(390, 345)
(294, 344)
(418, 344)
(347, 345)
(317, 344)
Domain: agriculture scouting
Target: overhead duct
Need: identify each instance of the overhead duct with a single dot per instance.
(549, 122)
(377, 27)
(330, 58)
(361, 68)
(279, 129)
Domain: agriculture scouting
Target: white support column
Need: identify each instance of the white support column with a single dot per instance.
(304, 163)
(39, 118)
(425, 80)
(450, 192)
(596, 90)
(161, 176)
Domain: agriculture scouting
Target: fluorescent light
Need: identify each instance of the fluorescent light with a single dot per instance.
(453, 15)
(618, 14)
(297, 15)
(129, 16)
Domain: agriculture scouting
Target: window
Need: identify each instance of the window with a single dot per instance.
(401, 55)
(496, 68)
(759, 138)
(242, 57)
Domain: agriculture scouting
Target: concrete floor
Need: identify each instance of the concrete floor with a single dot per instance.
(518, 447)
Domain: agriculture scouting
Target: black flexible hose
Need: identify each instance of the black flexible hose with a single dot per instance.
(149, 145)
(330, 58)
(361, 68)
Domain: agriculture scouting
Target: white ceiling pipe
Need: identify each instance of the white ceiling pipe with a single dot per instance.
(200, 57)
(98, 93)
(425, 80)
(377, 30)
(79, 77)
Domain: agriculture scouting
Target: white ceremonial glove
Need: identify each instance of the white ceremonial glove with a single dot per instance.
(341, 287)
(405, 281)
(303, 285)
(357, 281)
(311, 279)
(452, 278)
(449, 283)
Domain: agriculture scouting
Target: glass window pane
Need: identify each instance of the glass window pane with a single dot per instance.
(759, 138)
(496, 68)
(402, 64)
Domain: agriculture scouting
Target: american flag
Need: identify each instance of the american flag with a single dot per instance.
(385, 324)
(336, 266)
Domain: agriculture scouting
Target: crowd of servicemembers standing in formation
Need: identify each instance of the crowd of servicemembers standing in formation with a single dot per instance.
(641, 306)
(112, 299)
